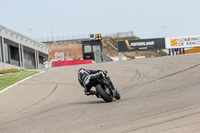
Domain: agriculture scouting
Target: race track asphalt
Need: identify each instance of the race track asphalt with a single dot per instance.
(158, 95)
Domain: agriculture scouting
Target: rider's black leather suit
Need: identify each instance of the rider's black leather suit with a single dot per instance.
(85, 77)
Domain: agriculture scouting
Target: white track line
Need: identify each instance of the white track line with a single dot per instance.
(20, 82)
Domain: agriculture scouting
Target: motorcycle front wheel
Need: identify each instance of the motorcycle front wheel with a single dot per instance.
(103, 94)
(117, 95)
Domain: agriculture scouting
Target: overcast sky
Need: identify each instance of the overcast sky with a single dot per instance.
(146, 18)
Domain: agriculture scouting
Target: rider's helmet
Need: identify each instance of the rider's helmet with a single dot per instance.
(81, 69)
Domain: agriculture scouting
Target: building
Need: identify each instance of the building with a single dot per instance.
(21, 51)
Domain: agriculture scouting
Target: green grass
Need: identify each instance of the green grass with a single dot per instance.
(11, 78)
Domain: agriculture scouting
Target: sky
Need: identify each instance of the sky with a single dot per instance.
(146, 18)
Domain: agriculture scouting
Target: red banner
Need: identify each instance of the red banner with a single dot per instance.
(70, 62)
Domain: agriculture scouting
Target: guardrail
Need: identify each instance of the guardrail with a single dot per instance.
(82, 37)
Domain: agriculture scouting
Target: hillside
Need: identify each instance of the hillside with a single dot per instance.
(74, 49)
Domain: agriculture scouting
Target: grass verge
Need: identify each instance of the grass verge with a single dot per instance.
(11, 78)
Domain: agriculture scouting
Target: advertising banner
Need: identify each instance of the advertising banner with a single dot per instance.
(182, 42)
(142, 44)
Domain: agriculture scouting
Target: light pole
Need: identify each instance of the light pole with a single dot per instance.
(52, 35)
(29, 32)
(48, 56)
(165, 31)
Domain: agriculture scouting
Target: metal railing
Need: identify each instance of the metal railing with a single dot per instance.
(14, 62)
(82, 37)
(29, 66)
(101, 57)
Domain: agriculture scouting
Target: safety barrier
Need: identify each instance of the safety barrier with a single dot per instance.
(70, 62)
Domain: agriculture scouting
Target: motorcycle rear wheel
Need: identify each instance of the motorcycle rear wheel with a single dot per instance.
(105, 96)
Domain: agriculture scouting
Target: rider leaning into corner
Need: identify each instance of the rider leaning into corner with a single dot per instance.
(86, 76)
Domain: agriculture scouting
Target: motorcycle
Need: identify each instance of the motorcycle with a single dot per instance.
(105, 90)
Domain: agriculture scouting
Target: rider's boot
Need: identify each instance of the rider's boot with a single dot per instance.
(94, 93)
(91, 92)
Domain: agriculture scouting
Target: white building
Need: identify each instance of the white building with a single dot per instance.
(20, 51)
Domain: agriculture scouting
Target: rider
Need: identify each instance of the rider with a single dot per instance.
(86, 76)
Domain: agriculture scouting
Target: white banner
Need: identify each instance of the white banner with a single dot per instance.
(182, 42)
(59, 56)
